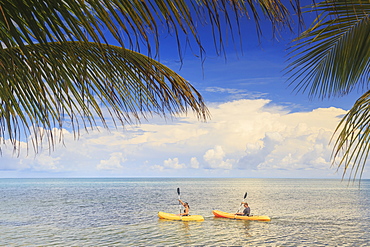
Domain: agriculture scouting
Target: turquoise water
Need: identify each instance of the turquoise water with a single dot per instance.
(123, 212)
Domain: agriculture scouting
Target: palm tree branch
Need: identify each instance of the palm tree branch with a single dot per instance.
(352, 145)
(332, 57)
(125, 20)
(72, 78)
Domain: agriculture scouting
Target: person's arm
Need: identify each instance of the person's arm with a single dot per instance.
(239, 209)
(186, 211)
(182, 202)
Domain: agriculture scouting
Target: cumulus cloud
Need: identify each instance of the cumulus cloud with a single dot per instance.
(290, 151)
(215, 159)
(194, 163)
(157, 167)
(173, 164)
(242, 136)
(113, 163)
(48, 163)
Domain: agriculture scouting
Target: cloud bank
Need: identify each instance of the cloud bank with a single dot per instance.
(244, 138)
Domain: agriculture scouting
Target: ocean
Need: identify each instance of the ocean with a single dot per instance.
(123, 212)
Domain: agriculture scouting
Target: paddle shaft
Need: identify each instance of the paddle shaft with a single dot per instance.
(245, 196)
(178, 193)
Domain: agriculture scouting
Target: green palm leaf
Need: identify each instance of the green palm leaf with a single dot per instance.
(330, 59)
(73, 80)
(131, 23)
(353, 143)
(57, 64)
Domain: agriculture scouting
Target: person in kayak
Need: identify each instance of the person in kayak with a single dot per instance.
(246, 211)
(186, 210)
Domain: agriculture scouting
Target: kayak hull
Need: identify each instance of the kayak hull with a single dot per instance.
(221, 214)
(168, 216)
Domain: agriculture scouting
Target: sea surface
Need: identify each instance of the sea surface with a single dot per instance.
(123, 212)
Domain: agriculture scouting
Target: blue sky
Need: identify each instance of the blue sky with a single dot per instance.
(259, 127)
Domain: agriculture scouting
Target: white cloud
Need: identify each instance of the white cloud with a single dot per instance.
(194, 163)
(236, 93)
(225, 90)
(215, 159)
(173, 164)
(302, 144)
(243, 137)
(113, 163)
(48, 163)
(157, 167)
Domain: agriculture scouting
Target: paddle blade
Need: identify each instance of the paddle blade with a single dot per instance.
(178, 191)
(245, 196)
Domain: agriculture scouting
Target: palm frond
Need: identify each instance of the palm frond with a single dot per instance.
(57, 61)
(331, 58)
(71, 81)
(352, 146)
(131, 23)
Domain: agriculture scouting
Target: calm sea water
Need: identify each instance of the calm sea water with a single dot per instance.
(123, 212)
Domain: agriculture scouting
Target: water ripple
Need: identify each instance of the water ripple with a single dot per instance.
(123, 212)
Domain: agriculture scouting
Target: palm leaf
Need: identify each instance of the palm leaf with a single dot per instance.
(353, 142)
(332, 57)
(72, 81)
(131, 23)
(57, 64)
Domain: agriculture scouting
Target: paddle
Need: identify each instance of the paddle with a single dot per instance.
(245, 196)
(178, 193)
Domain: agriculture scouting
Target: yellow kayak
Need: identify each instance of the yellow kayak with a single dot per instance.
(168, 216)
(221, 214)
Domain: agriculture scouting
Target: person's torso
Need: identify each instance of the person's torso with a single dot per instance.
(247, 211)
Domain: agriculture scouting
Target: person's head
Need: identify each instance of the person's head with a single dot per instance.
(186, 204)
(245, 204)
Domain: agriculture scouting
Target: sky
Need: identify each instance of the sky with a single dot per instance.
(259, 127)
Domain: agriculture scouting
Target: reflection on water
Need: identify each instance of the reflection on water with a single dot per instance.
(101, 212)
(246, 227)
